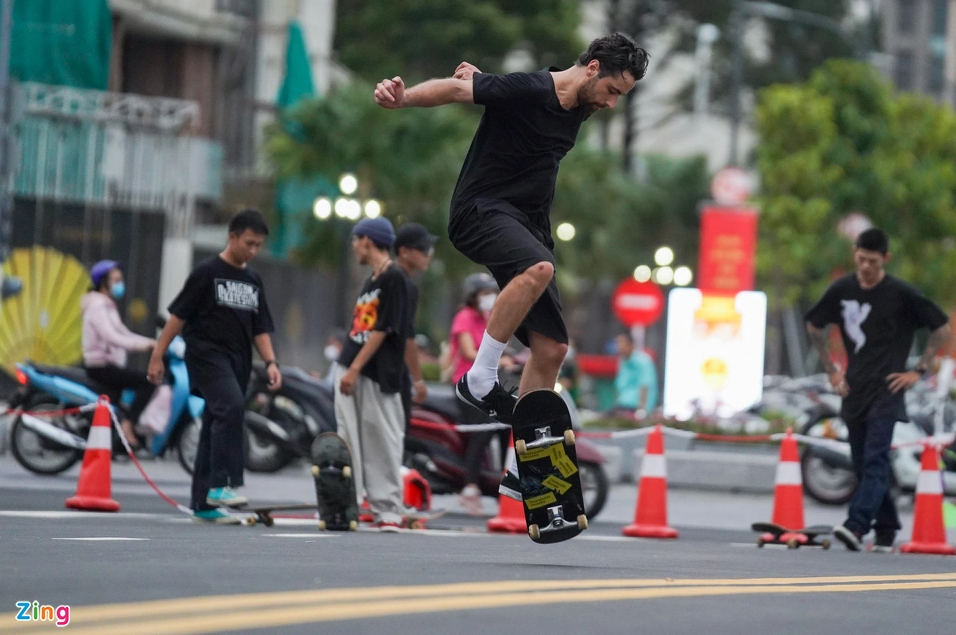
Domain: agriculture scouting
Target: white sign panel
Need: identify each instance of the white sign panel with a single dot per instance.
(715, 353)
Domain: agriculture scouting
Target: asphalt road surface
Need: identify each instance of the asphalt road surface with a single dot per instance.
(149, 569)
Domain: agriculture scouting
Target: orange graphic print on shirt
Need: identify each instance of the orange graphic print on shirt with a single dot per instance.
(365, 316)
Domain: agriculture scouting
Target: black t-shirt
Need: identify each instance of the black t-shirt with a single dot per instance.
(382, 306)
(224, 308)
(523, 135)
(877, 325)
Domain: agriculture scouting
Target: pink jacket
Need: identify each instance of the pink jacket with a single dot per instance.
(105, 338)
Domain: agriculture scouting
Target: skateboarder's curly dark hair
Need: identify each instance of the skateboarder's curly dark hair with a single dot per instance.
(616, 53)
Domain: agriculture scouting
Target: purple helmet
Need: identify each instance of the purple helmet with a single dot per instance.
(101, 269)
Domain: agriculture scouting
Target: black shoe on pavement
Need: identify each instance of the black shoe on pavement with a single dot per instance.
(499, 404)
(852, 539)
(884, 542)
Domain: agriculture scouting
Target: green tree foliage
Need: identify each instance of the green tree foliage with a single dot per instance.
(420, 39)
(843, 142)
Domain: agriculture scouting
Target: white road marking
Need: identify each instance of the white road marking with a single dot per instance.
(301, 535)
(74, 514)
(101, 538)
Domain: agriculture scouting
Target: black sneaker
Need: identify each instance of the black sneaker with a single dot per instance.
(852, 539)
(884, 542)
(499, 404)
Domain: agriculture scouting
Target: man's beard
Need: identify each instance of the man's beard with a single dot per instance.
(586, 97)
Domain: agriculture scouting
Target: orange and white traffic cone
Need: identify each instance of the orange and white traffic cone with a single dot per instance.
(93, 490)
(788, 493)
(929, 533)
(650, 516)
(510, 518)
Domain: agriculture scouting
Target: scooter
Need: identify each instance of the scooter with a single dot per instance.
(51, 446)
(437, 450)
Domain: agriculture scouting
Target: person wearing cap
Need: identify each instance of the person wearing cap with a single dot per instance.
(368, 375)
(414, 248)
(106, 342)
(222, 312)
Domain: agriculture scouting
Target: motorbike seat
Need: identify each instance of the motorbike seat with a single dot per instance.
(73, 373)
(443, 400)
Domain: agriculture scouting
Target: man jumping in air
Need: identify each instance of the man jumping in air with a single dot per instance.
(500, 211)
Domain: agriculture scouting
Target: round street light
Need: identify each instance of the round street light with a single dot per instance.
(373, 209)
(664, 275)
(322, 208)
(354, 209)
(642, 273)
(342, 207)
(566, 232)
(683, 276)
(664, 256)
(348, 184)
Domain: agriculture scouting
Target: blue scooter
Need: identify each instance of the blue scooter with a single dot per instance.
(53, 445)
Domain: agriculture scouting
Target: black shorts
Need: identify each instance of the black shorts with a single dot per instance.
(497, 235)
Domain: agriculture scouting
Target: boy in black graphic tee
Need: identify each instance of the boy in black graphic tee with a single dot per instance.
(222, 313)
(368, 376)
(878, 315)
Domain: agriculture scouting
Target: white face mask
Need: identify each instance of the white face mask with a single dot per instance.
(486, 302)
(331, 353)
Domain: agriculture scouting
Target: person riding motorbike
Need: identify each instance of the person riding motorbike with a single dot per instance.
(480, 291)
(106, 341)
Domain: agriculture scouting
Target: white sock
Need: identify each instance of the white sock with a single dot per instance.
(484, 372)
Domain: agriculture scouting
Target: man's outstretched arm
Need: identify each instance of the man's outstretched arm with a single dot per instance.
(391, 93)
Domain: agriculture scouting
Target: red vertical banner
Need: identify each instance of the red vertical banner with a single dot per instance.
(728, 243)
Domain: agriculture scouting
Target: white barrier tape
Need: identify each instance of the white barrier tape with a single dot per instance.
(929, 483)
(654, 466)
(99, 439)
(481, 427)
(788, 473)
(679, 433)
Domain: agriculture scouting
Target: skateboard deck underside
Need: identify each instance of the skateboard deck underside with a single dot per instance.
(334, 486)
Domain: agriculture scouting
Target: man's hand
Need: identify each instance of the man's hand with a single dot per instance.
(838, 381)
(390, 93)
(347, 385)
(420, 392)
(275, 377)
(466, 71)
(902, 381)
(155, 370)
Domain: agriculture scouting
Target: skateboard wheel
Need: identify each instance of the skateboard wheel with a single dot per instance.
(315, 470)
(269, 522)
(760, 542)
(534, 532)
(569, 437)
(250, 521)
(521, 448)
(793, 543)
(322, 525)
(416, 524)
(825, 544)
(582, 519)
(347, 471)
(353, 525)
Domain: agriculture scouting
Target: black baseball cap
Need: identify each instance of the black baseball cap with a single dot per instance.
(414, 236)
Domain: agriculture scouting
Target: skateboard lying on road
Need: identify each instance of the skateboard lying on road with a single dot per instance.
(334, 487)
(548, 468)
(417, 519)
(263, 513)
(793, 538)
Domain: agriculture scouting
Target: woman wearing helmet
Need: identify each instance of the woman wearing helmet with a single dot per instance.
(106, 340)
(480, 291)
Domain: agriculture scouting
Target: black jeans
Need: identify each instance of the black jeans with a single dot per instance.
(870, 440)
(477, 442)
(222, 383)
(116, 380)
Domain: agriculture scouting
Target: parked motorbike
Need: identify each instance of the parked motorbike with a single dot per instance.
(53, 445)
(438, 451)
(281, 425)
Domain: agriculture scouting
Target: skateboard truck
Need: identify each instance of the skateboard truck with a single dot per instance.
(543, 439)
(557, 522)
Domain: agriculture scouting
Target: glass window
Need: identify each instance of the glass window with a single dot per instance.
(940, 14)
(937, 76)
(903, 75)
(906, 16)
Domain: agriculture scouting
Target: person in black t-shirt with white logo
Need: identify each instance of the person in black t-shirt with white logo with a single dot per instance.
(878, 315)
(222, 313)
(500, 210)
(368, 376)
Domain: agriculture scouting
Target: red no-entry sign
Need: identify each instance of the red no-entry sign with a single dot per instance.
(637, 303)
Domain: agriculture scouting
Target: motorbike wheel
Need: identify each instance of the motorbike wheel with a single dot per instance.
(187, 445)
(33, 451)
(826, 483)
(595, 484)
(262, 455)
